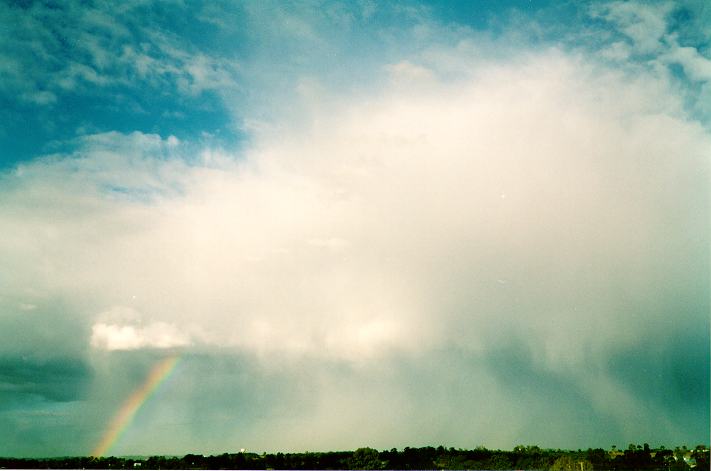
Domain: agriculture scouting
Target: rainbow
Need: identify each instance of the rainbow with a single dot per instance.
(128, 410)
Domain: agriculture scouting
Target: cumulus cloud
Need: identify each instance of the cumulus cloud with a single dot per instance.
(128, 337)
(644, 24)
(648, 37)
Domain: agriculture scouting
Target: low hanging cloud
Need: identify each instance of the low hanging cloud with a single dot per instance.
(128, 337)
(549, 197)
(546, 214)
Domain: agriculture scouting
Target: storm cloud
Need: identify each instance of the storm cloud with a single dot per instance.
(487, 243)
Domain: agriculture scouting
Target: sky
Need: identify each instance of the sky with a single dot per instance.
(324, 225)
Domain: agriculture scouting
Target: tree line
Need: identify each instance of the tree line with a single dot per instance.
(635, 457)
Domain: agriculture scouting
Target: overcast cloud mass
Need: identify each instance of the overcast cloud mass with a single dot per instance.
(358, 224)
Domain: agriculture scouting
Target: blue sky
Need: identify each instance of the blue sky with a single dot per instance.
(183, 69)
(357, 224)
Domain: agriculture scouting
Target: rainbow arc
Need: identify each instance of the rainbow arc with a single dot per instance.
(130, 407)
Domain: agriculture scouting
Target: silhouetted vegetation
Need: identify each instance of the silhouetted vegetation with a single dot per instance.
(635, 457)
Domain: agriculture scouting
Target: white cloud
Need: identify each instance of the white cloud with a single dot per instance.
(696, 66)
(644, 24)
(128, 337)
(99, 49)
(654, 42)
(406, 71)
(330, 243)
(647, 29)
(382, 227)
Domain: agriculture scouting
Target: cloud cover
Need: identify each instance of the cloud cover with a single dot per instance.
(484, 243)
